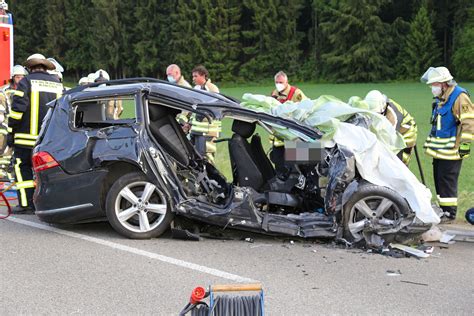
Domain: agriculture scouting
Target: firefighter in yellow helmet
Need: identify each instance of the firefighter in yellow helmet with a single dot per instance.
(450, 137)
(403, 122)
(27, 112)
(203, 132)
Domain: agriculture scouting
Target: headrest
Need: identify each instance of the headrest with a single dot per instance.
(244, 129)
(158, 112)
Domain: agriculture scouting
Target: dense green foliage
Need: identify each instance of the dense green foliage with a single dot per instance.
(420, 47)
(464, 56)
(325, 40)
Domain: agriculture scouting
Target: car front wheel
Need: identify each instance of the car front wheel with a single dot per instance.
(375, 209)
(137, 208)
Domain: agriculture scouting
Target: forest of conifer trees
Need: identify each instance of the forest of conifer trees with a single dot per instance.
(249, 40)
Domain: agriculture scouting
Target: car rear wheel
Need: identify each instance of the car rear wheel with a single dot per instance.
(137, 208)
(377, 207)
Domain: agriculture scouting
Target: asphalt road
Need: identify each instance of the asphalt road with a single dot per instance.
(89, 269)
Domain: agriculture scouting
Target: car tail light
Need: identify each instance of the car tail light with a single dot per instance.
(43, 161)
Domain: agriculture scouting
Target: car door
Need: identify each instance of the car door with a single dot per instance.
(103, 129)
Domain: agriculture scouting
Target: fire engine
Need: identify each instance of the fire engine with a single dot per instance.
(6, 43)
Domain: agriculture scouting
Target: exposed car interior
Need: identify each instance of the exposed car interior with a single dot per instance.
(199, 178)
(294, 191)
(250, 165)
(169, 134)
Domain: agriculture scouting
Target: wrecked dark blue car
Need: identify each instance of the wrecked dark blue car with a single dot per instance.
(115, 151)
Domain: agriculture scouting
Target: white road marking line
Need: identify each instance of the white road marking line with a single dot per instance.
(151, 255)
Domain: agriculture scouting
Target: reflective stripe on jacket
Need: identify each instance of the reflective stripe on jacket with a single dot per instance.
(442, 141)
(403, 122)
(29, 106)
(200, 126)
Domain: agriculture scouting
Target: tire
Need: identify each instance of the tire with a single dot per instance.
(380, 205)
(134, 215)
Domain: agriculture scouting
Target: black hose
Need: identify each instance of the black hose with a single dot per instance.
(226, 305)
(202, 310)
(232, 306)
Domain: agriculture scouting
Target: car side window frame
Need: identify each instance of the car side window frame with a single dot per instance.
(104, 122)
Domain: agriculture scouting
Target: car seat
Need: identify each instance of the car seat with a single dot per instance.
(169, 134)
(250, 165)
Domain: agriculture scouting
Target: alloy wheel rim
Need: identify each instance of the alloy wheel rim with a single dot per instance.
(140, 207)
(378, 210)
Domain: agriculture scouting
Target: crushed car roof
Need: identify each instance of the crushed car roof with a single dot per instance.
(155, 87)
(165, 90)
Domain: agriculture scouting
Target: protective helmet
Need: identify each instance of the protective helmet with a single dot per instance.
(56, 73)
(38, 59)
(376, 101)
(57, 65)
(84, 81)
(58, 69)
(19, 70)
(102, 73)
(3, 5)
(358, 102)
(91, 77)
(436, 74)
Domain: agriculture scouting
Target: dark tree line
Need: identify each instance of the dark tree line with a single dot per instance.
(326, 40)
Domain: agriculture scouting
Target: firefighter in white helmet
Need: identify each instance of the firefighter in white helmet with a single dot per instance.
(27, 113)
(101, 75)
(450, 137)
(113, 108)
(3, 8)
(6, 141)
(18, 73)
(403, 122)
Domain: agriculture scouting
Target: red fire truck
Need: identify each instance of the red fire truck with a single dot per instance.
(6, 43)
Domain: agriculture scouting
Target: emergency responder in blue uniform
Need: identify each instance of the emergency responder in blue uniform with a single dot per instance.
(28, 110)
(449, 141)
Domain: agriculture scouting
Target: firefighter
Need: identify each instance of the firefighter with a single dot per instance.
(113, 108)
(202, 81)
(449, 141)
(28, 110)
(84, 81)
(5, 17)
(403, 122)
(18, 73)
(284, 91)
(202, 132)
(173, 73)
